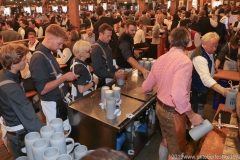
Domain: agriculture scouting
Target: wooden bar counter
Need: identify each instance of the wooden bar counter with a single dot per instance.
(90, 126)
(229, 75)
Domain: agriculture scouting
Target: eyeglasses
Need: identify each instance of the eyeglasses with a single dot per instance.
(89, 51)
(212, 47)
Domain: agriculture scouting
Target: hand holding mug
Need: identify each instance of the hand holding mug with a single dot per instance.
(145, 73)
(120, 74)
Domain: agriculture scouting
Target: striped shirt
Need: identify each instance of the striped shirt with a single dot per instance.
(172, 73)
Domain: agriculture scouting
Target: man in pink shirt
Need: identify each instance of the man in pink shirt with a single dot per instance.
(172, 73)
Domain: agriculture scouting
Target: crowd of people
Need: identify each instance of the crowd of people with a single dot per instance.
(194, 39)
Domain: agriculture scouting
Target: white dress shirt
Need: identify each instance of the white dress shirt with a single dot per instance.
(236, 28)
(36, 30)
(139, 37)
(21, 31)
(224, 20)
(32, 47)
(201, 66)
(40, 32)
(213, 23)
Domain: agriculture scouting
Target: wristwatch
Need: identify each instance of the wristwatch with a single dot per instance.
(93, 83)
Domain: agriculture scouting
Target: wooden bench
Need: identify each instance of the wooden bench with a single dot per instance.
(62, 65)
(144, 49)
(30, 94)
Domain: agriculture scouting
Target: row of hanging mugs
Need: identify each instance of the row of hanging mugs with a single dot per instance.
(50, 143)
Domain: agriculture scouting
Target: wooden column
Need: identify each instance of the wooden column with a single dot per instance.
(185, 2)
(141, 4)
(45, 6)
(189, 5)
(201, 4)
(2, 2)
(172, 7)
(74, 13)
(176, 4)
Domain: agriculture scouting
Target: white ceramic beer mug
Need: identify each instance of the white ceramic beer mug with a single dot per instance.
(230, 101)
(111, 110)
(80, 151)
(57, 124)
(38, 147)
(46, 132)
(58, 140)
(22, 158)
(103, 89)
(64, 157)
(29, 139)
(199, 131)
(51, 153)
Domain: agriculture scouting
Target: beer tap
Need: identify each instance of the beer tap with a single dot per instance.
(219, 124)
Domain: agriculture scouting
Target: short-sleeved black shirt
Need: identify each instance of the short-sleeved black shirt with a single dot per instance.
(42, 73)
(85, 75)
(15, 108)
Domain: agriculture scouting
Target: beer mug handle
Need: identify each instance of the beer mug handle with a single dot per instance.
(118, 100)
(117, 111)
(77, 144)
(69, 131)
(70, 140)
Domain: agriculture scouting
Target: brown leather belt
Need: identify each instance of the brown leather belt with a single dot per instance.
(12, 133)
(166, 107)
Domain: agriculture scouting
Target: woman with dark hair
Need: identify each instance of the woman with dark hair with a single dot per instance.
(73, 38)
(53, 20)
(228, 54)
(65, 53)
(174, 23)
(206, 9)
(194, 25)
(16, 24)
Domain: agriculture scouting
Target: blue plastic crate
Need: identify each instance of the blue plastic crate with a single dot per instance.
(218, 98)
(121, 137)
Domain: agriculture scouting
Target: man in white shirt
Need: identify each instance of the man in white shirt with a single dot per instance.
(203, 71)
(89, 35)
(139, 38)
(65, 23)
(33, 42)
(32, 24)
(236, 25)
(225, 18)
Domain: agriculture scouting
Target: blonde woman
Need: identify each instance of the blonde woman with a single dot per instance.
(157, 32)
(86, 82)
(158, 29)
